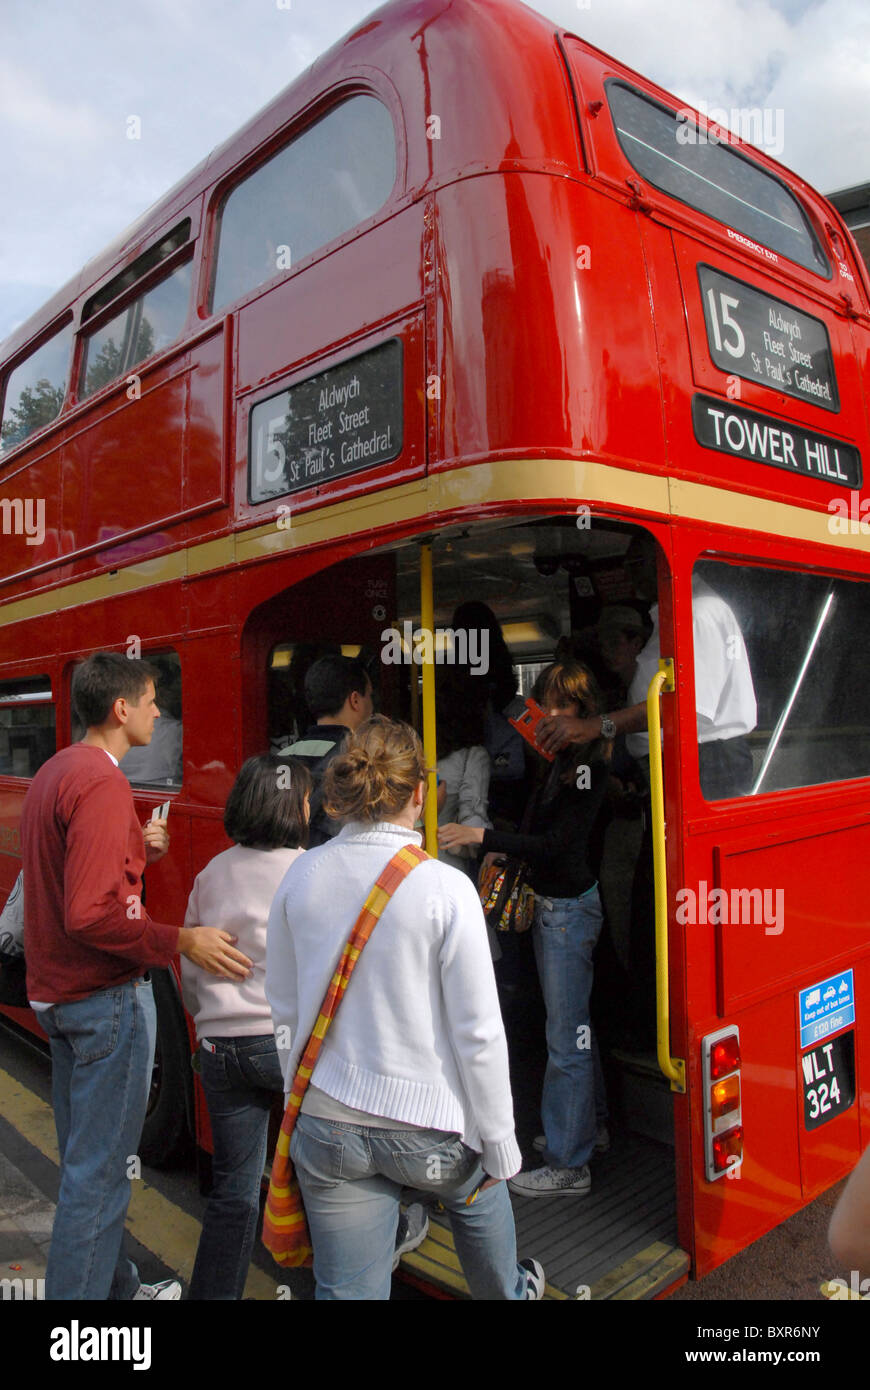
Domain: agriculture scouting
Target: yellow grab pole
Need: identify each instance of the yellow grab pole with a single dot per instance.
(427, 623)
(674, 1068)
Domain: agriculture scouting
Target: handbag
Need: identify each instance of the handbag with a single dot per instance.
(506, 895)
(13, 989)
(285, 1229)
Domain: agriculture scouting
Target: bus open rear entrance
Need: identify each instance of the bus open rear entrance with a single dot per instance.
(686, 1180)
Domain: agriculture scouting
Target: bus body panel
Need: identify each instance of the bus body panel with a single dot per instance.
(549, 308)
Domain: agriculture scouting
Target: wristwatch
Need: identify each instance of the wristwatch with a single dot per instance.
(608, 728)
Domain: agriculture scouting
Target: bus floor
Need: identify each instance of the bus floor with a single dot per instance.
(618, 1241)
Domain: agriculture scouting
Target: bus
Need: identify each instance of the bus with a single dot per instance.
(470, 309)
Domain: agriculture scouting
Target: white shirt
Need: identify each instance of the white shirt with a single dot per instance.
(465, 773)
(724, 694)
(418, 1036)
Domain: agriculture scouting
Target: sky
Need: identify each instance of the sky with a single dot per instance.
(74, 72)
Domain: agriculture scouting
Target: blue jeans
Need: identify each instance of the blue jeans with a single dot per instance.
(565, 933)
(351, 1178)
(102, 1051)
(241, 1079)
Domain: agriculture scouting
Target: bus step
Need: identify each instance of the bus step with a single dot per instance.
(617, 1243)
(640, 1095)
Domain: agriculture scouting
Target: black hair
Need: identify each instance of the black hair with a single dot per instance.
(330, 681)
(499, 684)
(266, 807)
(104, 678)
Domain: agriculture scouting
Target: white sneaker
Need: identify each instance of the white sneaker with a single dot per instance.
(602, 1141)
(169, 1290)
(552, 1182)
(535, 1281)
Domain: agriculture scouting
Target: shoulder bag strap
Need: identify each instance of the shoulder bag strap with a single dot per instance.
(401, 864)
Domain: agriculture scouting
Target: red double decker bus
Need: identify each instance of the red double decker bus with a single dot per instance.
(466, 310)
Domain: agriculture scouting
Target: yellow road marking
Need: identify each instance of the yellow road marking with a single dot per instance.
(158, 1224)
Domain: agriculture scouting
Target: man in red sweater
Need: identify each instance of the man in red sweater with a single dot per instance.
(88, 945)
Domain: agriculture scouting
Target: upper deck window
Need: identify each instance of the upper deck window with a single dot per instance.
(334, 175)
(147, 325)
(675, 156)
(35, 389)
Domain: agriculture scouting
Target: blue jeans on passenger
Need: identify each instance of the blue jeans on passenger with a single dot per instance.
(241, 1080)
(351, 1178)
(565, 933)
(102, 1051)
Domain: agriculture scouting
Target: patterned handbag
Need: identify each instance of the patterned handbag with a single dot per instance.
(285, 1230)
(506, 896)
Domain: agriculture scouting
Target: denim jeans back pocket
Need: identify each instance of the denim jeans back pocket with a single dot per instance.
(213, 1069)
(443, 1161)
(91, 1026)
(316, 1158)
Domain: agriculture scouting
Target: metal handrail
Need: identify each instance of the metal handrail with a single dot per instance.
(674, 1068)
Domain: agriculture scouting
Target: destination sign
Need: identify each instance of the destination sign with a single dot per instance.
(752, 335)
(748, 434)
(344, 419)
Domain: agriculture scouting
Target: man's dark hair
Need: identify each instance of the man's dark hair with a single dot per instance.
(266, 807)
(329, 682)
(104, 678)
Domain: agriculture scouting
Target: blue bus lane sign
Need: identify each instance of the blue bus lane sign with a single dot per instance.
(827, 1007)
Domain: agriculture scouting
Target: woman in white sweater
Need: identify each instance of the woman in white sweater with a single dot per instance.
(411, 1087)
(267, 815)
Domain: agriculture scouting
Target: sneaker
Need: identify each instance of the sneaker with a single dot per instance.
(535, 1281)
(552, 1182)
(602, 1141)
(169, 1290)
(412, 1230)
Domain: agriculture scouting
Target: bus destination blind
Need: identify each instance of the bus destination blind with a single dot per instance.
(338, 422)
(748, 434)
(754, 336)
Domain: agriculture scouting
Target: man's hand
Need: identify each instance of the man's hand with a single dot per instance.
(558, 730)
(156, 837)
(212, 949)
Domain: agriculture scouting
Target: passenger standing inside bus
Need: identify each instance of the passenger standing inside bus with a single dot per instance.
(724, 693)
(267, 816)
(338, 692)
(568, 796)
(411, 1086)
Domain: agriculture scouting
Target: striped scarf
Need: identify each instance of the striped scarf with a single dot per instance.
(285, 1230)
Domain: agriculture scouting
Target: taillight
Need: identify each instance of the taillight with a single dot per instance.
(723, 1128)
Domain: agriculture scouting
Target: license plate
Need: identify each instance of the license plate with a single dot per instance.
(829, 1079)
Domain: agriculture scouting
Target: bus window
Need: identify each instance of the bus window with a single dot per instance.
(669, 151)
(334, 175)
(35, 390)
(147, 325)
(801, 644)
(27, 726)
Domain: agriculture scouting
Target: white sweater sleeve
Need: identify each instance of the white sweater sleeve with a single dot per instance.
(281, 984)
(476, 1029)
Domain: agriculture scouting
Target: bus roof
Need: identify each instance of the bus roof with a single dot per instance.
(427, 52)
